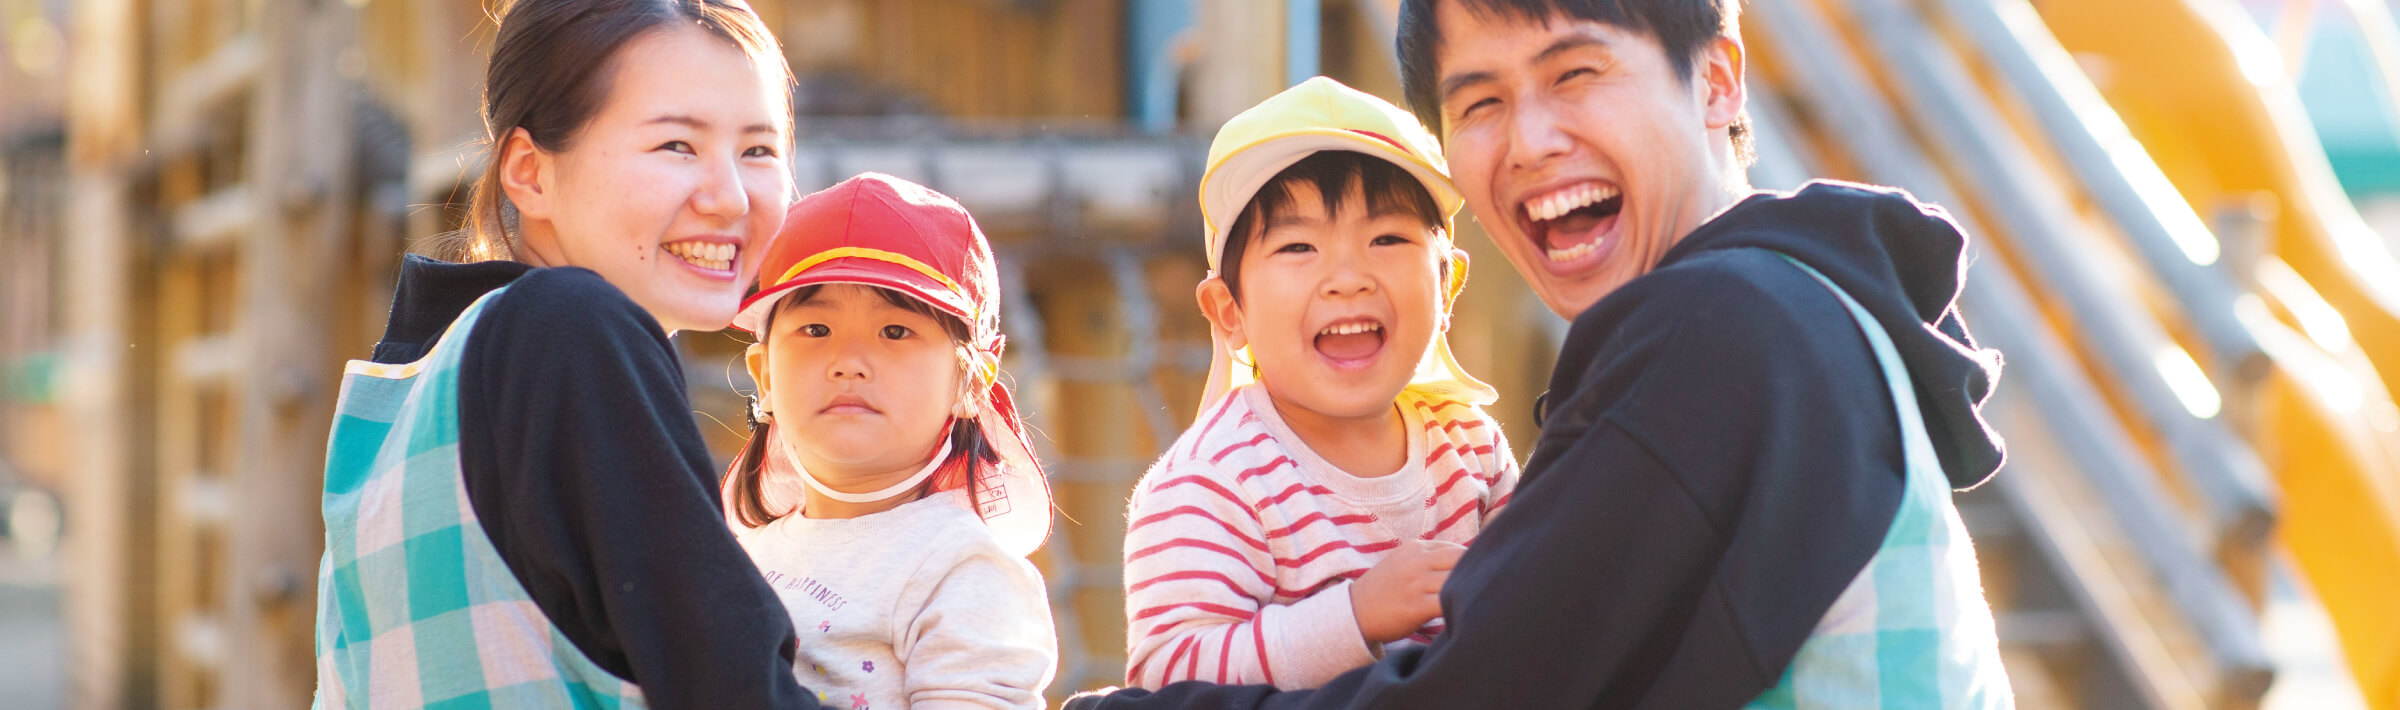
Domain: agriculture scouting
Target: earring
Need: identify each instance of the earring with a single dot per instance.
(759, 414)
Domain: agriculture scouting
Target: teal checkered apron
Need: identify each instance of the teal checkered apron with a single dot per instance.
(414, 607)
(1912, 630)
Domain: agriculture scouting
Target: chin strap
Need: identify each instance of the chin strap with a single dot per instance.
(939, 457)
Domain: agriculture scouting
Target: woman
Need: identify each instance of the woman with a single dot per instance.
(519, 510)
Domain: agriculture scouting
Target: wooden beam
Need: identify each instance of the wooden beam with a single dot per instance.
(216, 219)
(206, 361)
(188, 99)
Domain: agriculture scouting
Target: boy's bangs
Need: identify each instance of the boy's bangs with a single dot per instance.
(1387, 188)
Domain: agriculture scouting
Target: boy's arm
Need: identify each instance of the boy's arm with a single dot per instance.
(1199, 582)
(1503, 484)
(982, 637)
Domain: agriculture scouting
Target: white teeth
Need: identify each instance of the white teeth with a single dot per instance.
(1350, 328)
(1574, 252)
(1558, 204)
(717, 257)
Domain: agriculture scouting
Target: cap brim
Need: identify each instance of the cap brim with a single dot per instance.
(753, 313)
(1231, 183)
(1017, 503)
(1440, 374)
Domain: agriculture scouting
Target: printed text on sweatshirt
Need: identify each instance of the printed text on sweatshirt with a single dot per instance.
(1241, 543)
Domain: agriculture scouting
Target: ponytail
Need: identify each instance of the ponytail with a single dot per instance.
(748, 485)
(970, 456)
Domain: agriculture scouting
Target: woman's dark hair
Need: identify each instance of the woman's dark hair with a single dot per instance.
(549, 74)
(1386, 187)
(969, 451)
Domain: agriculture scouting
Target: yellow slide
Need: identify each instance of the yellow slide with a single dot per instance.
(2297, 339)
(2207, 95)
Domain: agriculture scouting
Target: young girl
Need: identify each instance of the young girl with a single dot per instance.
(889, 493)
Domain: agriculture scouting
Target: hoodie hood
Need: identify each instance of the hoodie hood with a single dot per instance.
(430, 296)
(1904, 261)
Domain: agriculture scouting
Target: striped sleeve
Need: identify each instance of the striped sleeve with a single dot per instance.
(1502, 463)
(1199, 590)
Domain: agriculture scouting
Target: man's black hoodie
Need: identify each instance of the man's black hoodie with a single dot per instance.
(1719, 458)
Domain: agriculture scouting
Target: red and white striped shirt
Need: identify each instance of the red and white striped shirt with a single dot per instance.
(1241, 542)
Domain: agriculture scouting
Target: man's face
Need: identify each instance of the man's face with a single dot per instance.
(1579, 147)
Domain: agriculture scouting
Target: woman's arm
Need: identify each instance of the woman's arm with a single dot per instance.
(585, 468)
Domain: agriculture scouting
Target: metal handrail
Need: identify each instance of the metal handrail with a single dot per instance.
(2236, 492)
(2204, 596)
(2116, 172)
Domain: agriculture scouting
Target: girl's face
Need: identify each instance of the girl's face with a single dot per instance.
(860, 389)
(672, 182)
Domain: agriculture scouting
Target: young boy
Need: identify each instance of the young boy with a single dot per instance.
(1309, 518)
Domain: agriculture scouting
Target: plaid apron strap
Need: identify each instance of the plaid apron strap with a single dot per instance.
(1913, 628)
(414, 605)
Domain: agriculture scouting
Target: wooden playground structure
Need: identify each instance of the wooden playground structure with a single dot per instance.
(208, 209)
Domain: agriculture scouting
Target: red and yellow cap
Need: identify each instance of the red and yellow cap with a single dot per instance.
(879, 230)
(882, 231)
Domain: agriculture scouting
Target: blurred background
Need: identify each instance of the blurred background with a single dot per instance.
(2186, 215)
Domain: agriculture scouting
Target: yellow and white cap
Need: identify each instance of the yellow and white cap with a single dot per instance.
(1321, 114)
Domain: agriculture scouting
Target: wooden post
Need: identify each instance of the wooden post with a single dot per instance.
(103, 130)
(1233, 73)
(302, 175)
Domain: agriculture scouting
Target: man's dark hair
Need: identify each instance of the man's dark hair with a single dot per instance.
(1386, 187)
(1683, 27)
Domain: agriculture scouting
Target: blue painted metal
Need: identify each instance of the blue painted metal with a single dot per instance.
(1303, 33)
(1151, 72)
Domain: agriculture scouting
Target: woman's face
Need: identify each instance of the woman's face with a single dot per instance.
(861, 389)
(670, 185)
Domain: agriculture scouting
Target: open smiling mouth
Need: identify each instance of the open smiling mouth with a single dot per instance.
(1351, 341)
(713, 256)
(1572, 223)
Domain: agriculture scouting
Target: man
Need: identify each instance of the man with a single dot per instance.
(1739, 496)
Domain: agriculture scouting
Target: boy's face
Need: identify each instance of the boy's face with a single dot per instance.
(1579, 147)
(1337, 309)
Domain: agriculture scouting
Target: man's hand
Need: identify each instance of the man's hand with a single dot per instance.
(1403, 591)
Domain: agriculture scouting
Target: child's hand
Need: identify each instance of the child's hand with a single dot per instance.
(1403, 591)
